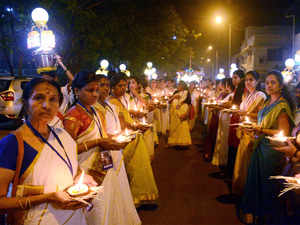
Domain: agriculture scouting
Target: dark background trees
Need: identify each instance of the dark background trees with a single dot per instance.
(130, 32)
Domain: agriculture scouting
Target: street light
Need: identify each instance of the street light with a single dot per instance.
(210, 48)
(104, 64)
(288, 73)
(42, 41)
(123, 69)
(149, 64)
(103, 67)
(221, 74)
(219, 20)
(40, 17)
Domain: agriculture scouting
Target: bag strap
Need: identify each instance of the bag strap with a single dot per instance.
(19, 161)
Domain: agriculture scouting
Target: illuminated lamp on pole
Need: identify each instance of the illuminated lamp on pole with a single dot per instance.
(103, 67)
(221, 74)
(123, 69)
(42, 41)
(288, 73)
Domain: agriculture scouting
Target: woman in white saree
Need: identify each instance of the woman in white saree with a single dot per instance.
(128, 214)
(86, 125)
(42, 162)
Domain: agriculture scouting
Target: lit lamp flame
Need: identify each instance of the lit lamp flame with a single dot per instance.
(247, 120)
(79, 188)
(121, 138)
(280, 137)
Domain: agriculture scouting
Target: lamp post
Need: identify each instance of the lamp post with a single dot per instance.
(219, 20)
(123, 69)
(42, 41)
(103, 67)
(293, 32)
(214, 66)
(150, 71)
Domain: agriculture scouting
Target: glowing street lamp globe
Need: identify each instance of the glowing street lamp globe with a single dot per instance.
(233, 66)
(104, 64)
(219, 20)
(220, 76)
(154, 76)
(149, 64)
(221, 70)
(40, 16)
(122, 67)
(290, 63)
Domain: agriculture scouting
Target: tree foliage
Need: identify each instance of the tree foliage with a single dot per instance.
(130, 32)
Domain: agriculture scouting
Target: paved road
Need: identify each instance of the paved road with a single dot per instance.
(187, 193)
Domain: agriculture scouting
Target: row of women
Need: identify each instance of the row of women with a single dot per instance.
(50, 151)
(244, 153)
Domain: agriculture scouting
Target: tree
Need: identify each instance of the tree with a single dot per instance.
(131, 32)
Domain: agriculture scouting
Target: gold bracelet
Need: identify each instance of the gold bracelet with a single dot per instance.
(85, 145)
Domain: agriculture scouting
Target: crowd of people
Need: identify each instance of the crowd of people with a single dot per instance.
(240, 115)
(74, 130)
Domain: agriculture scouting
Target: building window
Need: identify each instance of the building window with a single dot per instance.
(275, 54)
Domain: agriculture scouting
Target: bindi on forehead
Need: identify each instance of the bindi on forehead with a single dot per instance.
(45, 88)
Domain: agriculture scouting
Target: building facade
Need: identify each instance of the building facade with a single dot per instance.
(265, 48)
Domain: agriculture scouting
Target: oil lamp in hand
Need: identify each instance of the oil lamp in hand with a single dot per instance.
(234, 107)
(78, 189)
(280, 137)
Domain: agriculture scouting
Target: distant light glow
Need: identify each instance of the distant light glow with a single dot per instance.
(233, 67)
(210, 48)
(221, 70)
(208, 60)
(149, 64)
(9, 9)
(287, 75)
(220, 76)
(174, 37)
(297, 58)
(154, 76)
(122, 67)
(290, 63)
(219, 19)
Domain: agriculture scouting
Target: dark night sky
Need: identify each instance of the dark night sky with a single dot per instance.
(199, 14)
